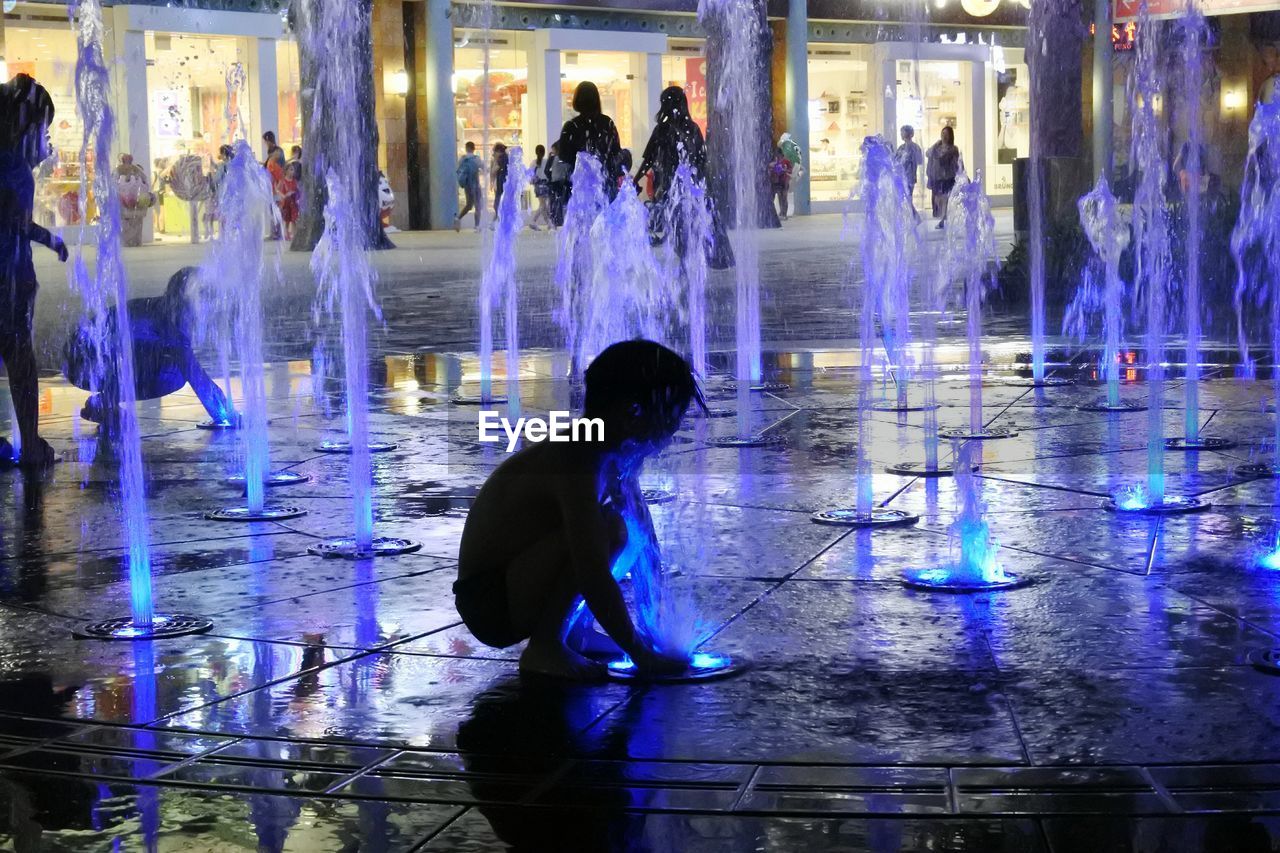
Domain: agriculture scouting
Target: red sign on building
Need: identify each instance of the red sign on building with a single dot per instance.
(695, 88)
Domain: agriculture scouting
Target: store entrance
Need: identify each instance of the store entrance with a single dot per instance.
(933, 94)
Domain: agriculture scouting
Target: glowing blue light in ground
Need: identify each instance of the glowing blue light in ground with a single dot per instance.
(698, 662)
(1270, 560)
(1131, 498)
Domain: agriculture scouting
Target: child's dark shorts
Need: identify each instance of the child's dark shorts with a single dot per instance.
(482, 603)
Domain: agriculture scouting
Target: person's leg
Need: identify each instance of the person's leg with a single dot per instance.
(542, 595)
(20, 362)
(466, 208)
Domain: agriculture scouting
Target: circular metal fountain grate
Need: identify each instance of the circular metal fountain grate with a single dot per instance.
(1102, 405)
(760, 439)
(1204, 442)
(218, 425)
(1171, 505)
(275, 478)
(657, 496)
(879, 517)
(944, 579)
(919, 469)
(477, 400)
(768, 387)
(894, 406)
(341, 445)
(1266, 660)
(1258, 470)
(346, 549)
(124, 628)
(965, 434)
(270, 512)
(704, 666)
(1047, 382)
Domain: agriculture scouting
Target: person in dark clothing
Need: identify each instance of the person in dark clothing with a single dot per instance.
(26, 112)
(676, 138)
(498, 168)
(163, 359)
(591, 132)
(557, 172)
(541, 180)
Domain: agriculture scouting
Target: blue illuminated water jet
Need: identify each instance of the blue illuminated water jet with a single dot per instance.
(107, 285)
(978, 566)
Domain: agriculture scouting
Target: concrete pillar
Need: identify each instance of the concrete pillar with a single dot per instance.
(129, 89)
(1103, 108)
(976, 158)
(442, 124)
(264, 111)
(553, 110)
(646, 71)
(798, 93)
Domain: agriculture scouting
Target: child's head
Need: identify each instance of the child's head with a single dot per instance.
(471, 147)
(293, 170)
(539, 151)
(178, 283)
(641, 390)
(26, 111)
(908, 133)
(295, 153)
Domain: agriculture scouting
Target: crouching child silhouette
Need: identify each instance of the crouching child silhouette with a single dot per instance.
(26, 111)
(163, 358)
(548, 529)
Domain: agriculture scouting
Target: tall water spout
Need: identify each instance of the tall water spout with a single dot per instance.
(1255, 244)
(887, 248)
(234, 275)
(969, 257)
(574, 260)
(689, 234)
(1108, 233)
(1194, 35)
(340, 263)
(500, 274)
(107, 285)
(741, 27)
(1153, 258)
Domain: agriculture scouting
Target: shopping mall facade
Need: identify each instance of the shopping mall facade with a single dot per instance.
(186, 78)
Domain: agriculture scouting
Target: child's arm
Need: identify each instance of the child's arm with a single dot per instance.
(40, 234)
(211, 396)
(591, 553)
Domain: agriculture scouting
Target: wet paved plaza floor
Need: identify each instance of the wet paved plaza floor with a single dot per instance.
(1109, 706)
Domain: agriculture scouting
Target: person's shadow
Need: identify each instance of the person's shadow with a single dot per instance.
(522, 730)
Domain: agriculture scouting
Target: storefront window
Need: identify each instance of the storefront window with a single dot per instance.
(938, 96)
(197, 88)
(839, 118)
(611, 72)
(1009, 122)
(42, 54)
(289, 83)
(509, 107)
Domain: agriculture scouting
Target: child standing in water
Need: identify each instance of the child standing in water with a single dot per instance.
(549, 527)
(26, 111)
